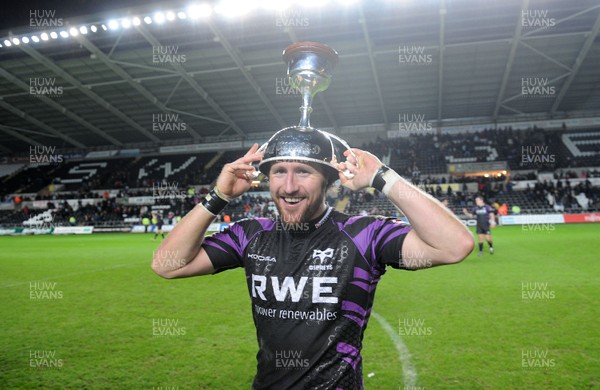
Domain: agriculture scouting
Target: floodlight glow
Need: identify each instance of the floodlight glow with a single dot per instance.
(53, 35)
(83, 30)
(148, 20)
(199, 11)
(16, 41)
(113, 24)
(159, 17)
(126, 23)
(276, 4)
(136, 21)
(7, 43)
(181, 15)
(170, 16)
(104, 27)
(35, 38)
(25, 40)
(64, 34)
(44, 37)
(314, 3)
(233, 8)
(73, 31)
(93, 28)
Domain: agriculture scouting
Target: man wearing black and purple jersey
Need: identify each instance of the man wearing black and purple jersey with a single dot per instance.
(312, 272)
(485, 219)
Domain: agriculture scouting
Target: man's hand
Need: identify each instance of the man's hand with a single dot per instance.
(236, 177)
(363, 167)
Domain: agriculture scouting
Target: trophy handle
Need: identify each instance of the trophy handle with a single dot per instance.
(341, 146)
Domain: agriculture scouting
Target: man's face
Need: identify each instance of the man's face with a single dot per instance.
(479, 201)
(298, 191)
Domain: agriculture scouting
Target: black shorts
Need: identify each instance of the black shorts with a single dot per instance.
(483, 230)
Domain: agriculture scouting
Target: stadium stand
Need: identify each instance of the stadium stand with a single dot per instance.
(102, 192)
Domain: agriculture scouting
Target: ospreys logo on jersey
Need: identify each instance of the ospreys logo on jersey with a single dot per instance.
(322, 255)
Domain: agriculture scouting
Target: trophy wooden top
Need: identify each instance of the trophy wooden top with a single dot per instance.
(320, 49)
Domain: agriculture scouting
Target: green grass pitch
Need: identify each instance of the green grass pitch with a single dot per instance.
(86, 312)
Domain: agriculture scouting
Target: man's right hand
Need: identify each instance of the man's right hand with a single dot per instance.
(236, 177)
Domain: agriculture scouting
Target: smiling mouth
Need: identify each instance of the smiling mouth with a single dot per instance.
(291, 200)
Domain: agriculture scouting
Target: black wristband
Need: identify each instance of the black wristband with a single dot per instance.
(213, 203)
(378, 180)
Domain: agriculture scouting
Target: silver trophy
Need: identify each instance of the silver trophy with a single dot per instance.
(309, 67)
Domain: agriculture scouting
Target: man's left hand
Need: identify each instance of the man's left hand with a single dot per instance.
(363, 165)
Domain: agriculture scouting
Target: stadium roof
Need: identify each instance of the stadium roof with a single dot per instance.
(222, 75)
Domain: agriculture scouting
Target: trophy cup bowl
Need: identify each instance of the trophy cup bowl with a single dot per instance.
(309, 67)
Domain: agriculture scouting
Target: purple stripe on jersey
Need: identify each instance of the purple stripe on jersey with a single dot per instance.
(266, 223)
(214, 245)
(238, 231)
(360, 273)
(351, 306)
(230, 242)
(360, 322)
(350, 362)
(362, 285)
(397, 233)
(347, 348)
(364, 238)
(385, 230)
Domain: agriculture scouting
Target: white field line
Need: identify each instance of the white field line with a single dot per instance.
(409, 373)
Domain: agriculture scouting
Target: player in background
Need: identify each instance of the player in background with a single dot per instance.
(159, 225)
(485, 219)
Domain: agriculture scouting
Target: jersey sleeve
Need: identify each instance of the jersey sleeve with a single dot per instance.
(388, 241)
(226, 249)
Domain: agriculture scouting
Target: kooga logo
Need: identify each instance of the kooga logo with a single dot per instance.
(262, 258)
